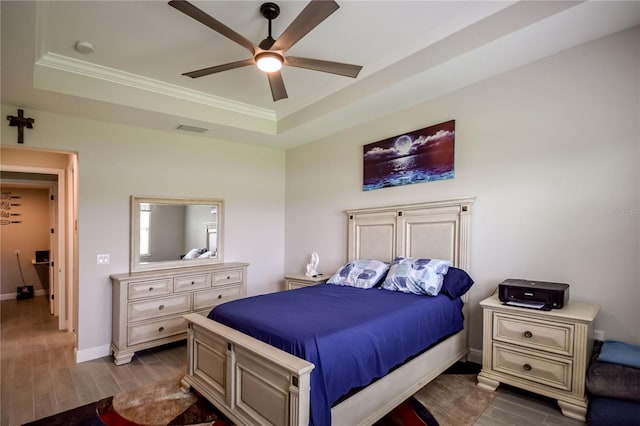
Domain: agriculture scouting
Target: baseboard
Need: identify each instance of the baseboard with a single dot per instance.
(475, 355)
(92, 353)
(9, 296)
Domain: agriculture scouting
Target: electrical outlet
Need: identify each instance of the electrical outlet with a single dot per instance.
(598, 335)
(17, 251)
(103, 259)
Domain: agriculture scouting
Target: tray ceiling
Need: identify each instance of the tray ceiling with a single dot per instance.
(410, 51)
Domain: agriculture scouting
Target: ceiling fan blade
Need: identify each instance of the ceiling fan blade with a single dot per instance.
(219, 68)
(339, 68)
(277, 86)
(206, 19)
(313, 14)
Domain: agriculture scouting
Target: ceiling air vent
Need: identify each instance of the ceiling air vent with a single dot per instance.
(186, 128)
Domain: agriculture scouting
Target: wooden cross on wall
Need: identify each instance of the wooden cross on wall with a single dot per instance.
(21, 122)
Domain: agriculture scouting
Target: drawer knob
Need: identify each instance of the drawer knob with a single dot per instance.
(526, 367)
(193, 282)
(528, 334)
(161, 307)
(161, 329)
(219, 296)
(150, 288)
(228, 277)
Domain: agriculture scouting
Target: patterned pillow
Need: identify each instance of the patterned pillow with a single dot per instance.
(360, 273)
(418, 276)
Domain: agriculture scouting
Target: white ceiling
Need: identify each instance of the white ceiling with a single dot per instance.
(411, 51)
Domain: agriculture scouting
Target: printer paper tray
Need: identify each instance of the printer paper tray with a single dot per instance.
(528, 304)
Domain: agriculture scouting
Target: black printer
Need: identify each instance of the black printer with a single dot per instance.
(533, 294)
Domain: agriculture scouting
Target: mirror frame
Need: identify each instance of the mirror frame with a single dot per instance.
(134, 233)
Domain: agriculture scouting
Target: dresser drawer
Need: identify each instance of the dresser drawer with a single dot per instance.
(533, 366)
(209, 298)
(156, 307)
(156, 330)
(553, 337)
(227, 277)
(138, 289)
(191, 282)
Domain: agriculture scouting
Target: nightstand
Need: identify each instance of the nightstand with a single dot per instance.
(294, 281)
(546, 352)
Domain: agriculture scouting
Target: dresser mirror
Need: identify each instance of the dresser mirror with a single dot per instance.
(175, 232)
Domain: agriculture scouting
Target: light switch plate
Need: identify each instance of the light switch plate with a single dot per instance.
(103, 259)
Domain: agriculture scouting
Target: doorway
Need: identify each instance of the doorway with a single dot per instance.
(55, 171)
(28, 214)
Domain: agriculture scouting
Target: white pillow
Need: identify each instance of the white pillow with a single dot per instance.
(193, 254)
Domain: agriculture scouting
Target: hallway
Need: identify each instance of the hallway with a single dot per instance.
(39, 375)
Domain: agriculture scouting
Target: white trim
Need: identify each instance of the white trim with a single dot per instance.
(92, 353)
(100, 72)
(60, 282)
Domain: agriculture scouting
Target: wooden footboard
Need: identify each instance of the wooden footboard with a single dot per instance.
(254, 383)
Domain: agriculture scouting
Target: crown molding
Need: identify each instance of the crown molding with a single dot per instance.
(100, 72)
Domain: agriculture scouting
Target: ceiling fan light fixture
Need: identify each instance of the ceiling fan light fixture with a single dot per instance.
(269, 61)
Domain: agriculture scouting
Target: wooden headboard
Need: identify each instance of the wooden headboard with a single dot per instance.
(434, 230)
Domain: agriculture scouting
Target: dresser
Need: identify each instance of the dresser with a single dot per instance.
(293, 281)
(546, 352)
(148, 307)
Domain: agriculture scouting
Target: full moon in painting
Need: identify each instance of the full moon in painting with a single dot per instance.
(423, 155)
(403, 144)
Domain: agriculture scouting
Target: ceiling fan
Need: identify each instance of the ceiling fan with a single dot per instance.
(269, 55)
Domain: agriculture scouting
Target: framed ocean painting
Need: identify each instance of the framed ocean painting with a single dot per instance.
(419, 156)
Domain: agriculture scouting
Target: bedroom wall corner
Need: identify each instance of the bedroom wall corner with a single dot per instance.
(550, 150)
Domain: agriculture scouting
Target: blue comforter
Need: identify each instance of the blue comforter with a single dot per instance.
(352, 336)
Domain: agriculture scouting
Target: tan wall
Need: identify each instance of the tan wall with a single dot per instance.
(31, 234)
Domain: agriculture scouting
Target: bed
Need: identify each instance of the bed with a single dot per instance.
(254, 382)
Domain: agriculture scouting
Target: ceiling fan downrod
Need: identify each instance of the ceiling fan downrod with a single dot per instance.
(270, 11)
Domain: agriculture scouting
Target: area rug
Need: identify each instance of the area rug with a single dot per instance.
(452, 399)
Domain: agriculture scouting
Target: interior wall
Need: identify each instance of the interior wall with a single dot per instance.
(25, 227)
(550, 150)
(167, 232)
(116, 161)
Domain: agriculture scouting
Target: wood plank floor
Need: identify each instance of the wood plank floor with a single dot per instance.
(39, 375)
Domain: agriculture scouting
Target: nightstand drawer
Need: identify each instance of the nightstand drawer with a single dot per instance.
(191, 282)
(227, 277)
(149, 288)
(553, 337)
(156, 330)
(533, 366)
(159, 307)
(209, 298)
(296, 281)
(292, 285)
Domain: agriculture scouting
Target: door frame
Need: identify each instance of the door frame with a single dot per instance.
(62, 284)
